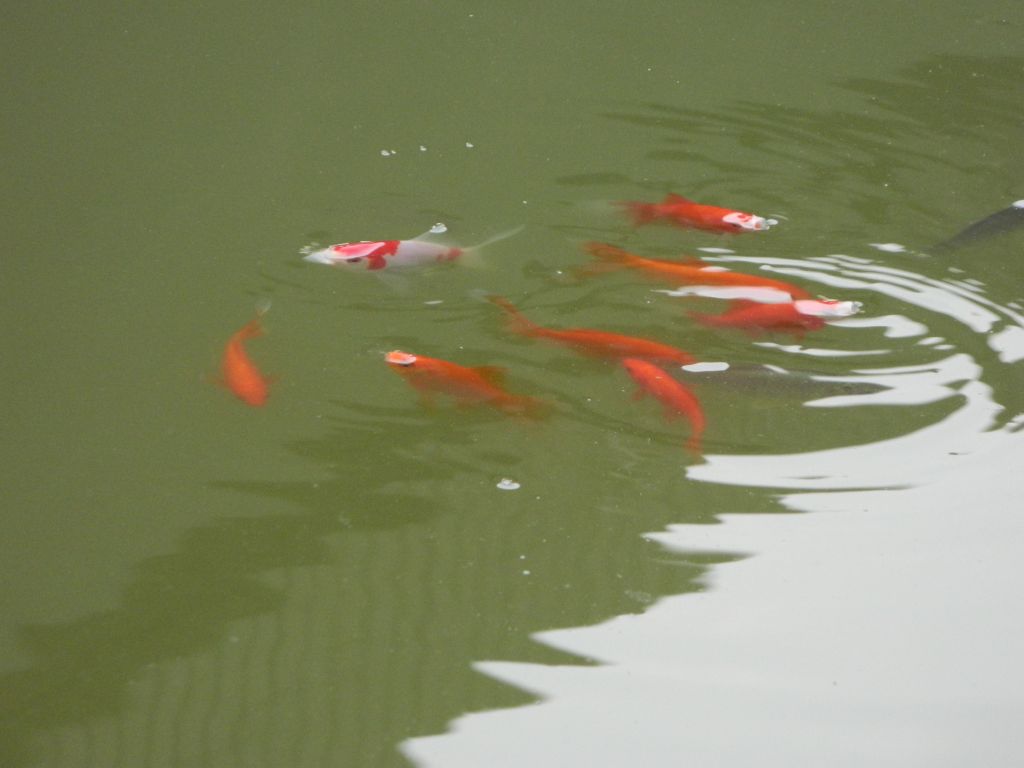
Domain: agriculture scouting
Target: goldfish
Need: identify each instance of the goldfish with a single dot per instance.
(796, 317)
(240, 375)
(477, 385)
(692, 272)
(593, 342)
(685, 213)
(674, 395)
(382, 254)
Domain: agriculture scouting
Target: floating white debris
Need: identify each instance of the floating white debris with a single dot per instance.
(438, 229)
(388, 152)
(434, 301)
(469, 145)
(705, 367)
(889, 247)
(508, 484)
(422, 148)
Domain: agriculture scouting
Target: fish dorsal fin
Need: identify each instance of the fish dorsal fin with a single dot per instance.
(493, 374)
(355, 251)
(673, 199)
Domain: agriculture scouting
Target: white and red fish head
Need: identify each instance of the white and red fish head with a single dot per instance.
(827, 307)
(748, 221)
(371, 253)
(397, 357)
(380, 254)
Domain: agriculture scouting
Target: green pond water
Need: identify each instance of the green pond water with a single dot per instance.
(334, 578)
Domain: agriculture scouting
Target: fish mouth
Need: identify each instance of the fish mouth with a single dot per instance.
(397, 357)
(322, 256)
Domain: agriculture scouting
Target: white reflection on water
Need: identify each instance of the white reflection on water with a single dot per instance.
(910, 459)
(850, 637)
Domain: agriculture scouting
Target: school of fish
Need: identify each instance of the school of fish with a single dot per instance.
(765, 305)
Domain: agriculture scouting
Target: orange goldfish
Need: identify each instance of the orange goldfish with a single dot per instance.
(692, 272)
(677, 210)
(593, 342)
(239, 373)
(675, 396)
(481, 384)
(797, 317)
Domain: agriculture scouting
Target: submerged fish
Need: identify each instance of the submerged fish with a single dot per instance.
(239, 374)
(677, 210)
(477, 385)
(593, 342)
(381, 254)
(796, 317)
(692, 272)
(675, 396)
(998, 223)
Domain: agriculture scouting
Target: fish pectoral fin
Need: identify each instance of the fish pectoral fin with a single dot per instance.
(494, 374)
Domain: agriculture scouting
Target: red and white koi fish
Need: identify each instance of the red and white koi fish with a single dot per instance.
(681, 212)
(692, 272)
(382, 254)
(477, 385)
(592, 342)
(239, 373)
(795, 317)
(675, 396)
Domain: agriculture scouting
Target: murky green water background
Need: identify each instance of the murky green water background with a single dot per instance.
(190, 582)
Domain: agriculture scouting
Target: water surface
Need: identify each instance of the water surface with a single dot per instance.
(336, 577)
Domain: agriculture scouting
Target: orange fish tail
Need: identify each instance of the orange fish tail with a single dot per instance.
(693, 445)
(640, 213)
(709, 320)
(516, 321)
(251, 330)
(610, 258)
(607, 253)
(524, 406)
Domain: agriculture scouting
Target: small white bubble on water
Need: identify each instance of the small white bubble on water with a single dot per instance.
(422, 148)
(387, 152)
(508, 484)
(469, 145)
(889, 247)
(439, 228)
